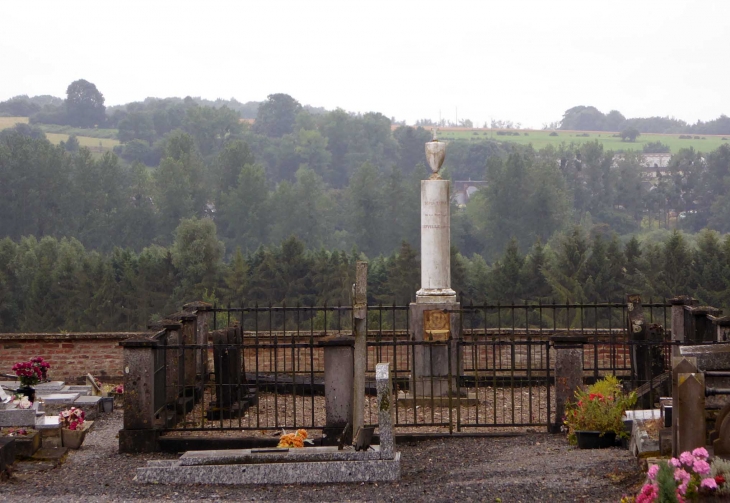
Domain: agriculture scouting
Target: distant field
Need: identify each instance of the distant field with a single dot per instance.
(98, 145)
(541, 138)
(93, 144)
(94, 132)
(6, 122)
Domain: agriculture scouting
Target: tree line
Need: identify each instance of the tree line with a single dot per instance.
(102, 201)
(588, 118)
(52, 284)
(329, 181)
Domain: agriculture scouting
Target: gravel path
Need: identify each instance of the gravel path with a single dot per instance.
(534, 467)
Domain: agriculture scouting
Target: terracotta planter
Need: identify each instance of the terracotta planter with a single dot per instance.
(594, 439)
(74, 438)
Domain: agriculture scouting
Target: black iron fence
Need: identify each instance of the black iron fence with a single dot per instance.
(263, 367)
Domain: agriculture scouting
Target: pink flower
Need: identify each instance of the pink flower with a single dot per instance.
(687, 458)
(675, 462)
(701, 467)
(701, 453)
(648, 494)
(709, 483)
(683, 488)
(681, 475)
(653, 471)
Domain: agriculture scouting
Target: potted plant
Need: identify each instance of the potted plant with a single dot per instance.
(107, 401)
(595, 418)
(29, 374)
(117, 393)
(73, 427)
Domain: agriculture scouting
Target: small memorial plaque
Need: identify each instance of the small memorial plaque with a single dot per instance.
(436, 325)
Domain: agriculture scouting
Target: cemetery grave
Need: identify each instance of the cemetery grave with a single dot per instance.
(32, 437)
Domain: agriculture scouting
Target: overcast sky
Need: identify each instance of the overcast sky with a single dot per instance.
(524, 61)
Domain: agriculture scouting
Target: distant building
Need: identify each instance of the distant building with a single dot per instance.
(652, 165)
(465, 189)
(655, 164)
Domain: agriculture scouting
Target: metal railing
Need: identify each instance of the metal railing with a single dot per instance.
(502, 377)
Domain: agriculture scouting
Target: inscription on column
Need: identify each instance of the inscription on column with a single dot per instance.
(435, 215)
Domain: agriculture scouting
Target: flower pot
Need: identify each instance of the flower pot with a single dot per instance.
(28, 391)
(107, 404)
(118, 398)
(74, 438)
(594, 439)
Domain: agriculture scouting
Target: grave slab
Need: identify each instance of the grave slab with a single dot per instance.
(642, 414)
(84, 390)
(60, 398)
(17, 417)
(273, 473)
(642, 444)
(49, 387)
(48, 423)
(89, 404)
(253, 456)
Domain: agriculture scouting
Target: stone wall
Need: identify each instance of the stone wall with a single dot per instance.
(71, 355)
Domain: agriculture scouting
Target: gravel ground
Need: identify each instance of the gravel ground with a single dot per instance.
(520, 405)
(533, 467)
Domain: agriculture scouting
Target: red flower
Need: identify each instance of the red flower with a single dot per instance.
(719, 480)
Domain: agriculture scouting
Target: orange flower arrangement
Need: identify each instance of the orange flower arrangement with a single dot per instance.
(293, 439)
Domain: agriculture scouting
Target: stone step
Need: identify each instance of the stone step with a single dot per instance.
(50, 454)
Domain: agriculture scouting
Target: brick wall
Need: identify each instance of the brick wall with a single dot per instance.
(304, 358)
(71, 355)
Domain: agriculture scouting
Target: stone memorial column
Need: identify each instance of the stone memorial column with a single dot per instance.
(433, 318)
